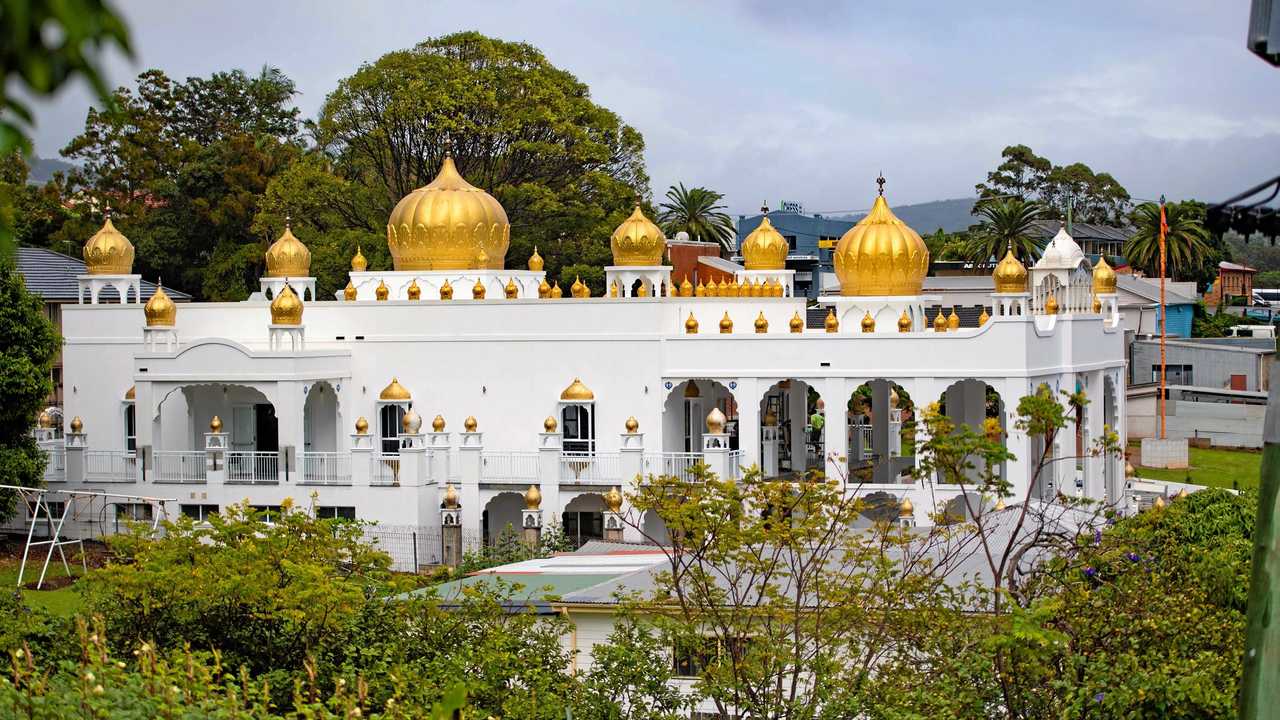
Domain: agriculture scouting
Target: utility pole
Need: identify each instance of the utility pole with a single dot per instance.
(1164, 230)
(1260, 687)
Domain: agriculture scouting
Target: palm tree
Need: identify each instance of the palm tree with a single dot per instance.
(1006, 222)
(696, 211)
(1186, 242)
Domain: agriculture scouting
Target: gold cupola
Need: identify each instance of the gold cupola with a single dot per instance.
(1104, 278)
(577, 392)
(448, 224)
(1010, 275)
(160, 309)
(394, 392)
(637, 241)
(532, 498)
(535, 260)
(358, 263)
(108, 252)
(288, 257)
(881, 255)
(764, 248)
(286, 308)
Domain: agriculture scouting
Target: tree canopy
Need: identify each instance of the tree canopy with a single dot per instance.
(698, 212)
(1094, 197)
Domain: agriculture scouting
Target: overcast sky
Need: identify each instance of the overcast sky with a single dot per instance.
(809, 100)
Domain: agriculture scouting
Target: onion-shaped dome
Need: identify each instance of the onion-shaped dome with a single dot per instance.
(556, 292)
(700, 290)
(544, 289)
(893, 397)
(512, 291)
(691, 390)
(160, 309)
(286, 308)
(131, 393)
(414, 292)
(532, 498)
(411, 422)
(727, 289)
(1010, 275)
(953, 320)
(881, 255)
(904, 322)
(643, 290)
(362, 425)
(437, 423)
(77, 424)
(691, 325)
(535, 260)
(477, 290)
(446, 291)
(349, 292)
(395, 392)
(358, 263)
(577, 392)
(288, 257)
(108, 251)
(762, 325)
(686, 287)
(470, 424)
(550, 424)
(215, 425)
(797, 323)
(448, 224)
(613, 500)
(579, 289)
(1158, 504)
(1104, 278)
(726, 324)
(715, 421)
(764, 248)
(983, 318)
(450, 497)
(868, 323)
(832, 323)
(940, 321)
(1062, 252)
(632, 424)
(45, 420)
(905, 508)
(382, 292)
(770, 419)
(637, 241)
(1097, 304)
(1051, 305)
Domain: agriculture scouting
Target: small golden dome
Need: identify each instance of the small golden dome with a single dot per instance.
(288, 257)
(637, 241)
(613, 500)
(632, 424)
(394, 391)
(446, 291)
(905, 508)
(544, 290)
(1181, 494)
(362, 425)
(762, 325)
(691, 390)
(448, 224)
(893, 397)
(382, 291)
(45, 420)
(1051, 305)
(686, 287)
(797, 323)
(643, 290)
(868, 323)
(613, 289)
(556, 292)
(215, 425)
(470, 424)
(437, 423)
(77, 424)
(700, 290)
(535, 260)
(411, 422)
(881, 255)
(477, 290)
(349, 292)
(953, 320)
(160, 309)
(414, 292)
(1104, 278)
(715, 421)
(983, 318)
(1159, 503)
(940, 321)
(286, 308)
(832, 323)
(764, 248)
(358, 263)
(739, 289)
(532, 498)
(108, 251)
(1010, 275)
(691, 325)
(770, 419)
(1129, 470)
(550, 424)
(579, 289)
(512, 290)
(904, 322)
(999, 504)
(724, 289)
(577, 392)
(450, 497)
(726, 324)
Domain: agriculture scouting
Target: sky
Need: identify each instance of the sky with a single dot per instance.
(807, 101)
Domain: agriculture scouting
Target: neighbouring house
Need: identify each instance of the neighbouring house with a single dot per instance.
(1224, 417)
(1094, 239)
(1234, 280)
(1235, 363)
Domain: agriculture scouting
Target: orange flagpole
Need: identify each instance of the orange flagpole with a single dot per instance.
(1164, 230)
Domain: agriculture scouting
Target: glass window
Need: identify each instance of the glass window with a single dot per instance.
(131, 427)
(340, 512)
(138, 512)
(199, 513)
(389, 428)
(270, 513)
(579, 430)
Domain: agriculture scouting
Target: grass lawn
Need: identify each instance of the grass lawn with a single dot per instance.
(1215, 467)
(62, 601)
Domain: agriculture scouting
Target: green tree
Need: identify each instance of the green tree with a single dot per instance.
(1092, 197)
(1021, 174)
(630, 677)
(697, 211)
(28, 345)
(1006, 223)
(1187, 243)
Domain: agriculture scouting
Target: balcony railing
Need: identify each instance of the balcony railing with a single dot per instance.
(736, 459)
(109, 466)
(55, 470)
(673, 464)
(517, 467)
(179, 466)
(386, 469)
(325, 468)
(253, 467)
(599, 468)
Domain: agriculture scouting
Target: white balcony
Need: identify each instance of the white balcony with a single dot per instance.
(510, 467)
(251, 467)
(179, 466)
(590, 469)
(103, 466)
(325, 468)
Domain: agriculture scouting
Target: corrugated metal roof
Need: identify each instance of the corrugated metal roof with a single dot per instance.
(52, 276)
(1046, 229)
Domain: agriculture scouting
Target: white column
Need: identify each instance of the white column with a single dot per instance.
(549, 444)
(798, 410)
(631, 462)
(747, 396)
(470, 451)
(835, 432)
(76, 442)
(215, 458)
(438, 446)
(769, 450)
(413, 460)
(1020, 469)
(715, 453)
(1095, 417)
(361, 456)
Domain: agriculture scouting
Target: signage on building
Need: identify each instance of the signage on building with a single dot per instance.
(790, 206)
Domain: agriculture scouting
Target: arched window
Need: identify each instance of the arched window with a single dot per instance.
(389, 418)
(130, 428)
(579, 429)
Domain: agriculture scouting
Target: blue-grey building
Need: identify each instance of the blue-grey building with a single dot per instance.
(811, 239)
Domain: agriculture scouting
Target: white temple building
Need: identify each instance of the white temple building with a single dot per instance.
(454, 375)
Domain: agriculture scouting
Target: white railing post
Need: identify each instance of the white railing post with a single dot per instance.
(470, 454)
(361, 454)
(413, 459)
(549, 447)
(215, 450)
(769, 450)
(439, 444)
(715, 453)
(76, 442)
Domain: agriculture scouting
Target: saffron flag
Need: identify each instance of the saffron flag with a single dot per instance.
(1164, 223)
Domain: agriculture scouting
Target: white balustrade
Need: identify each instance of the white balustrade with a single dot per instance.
(588, 468)
(386, 469)
(325, 468)
(55, 468)
(517, 467)
(253, 467)
(736, 460)
(673, 464)
(179, 466)
(109, 466)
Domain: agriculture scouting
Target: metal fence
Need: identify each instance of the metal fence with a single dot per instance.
(510, 467)
(109, 466)
(672, 464)
(179, 466)
(413, 547)
(55, 470)
(251, 466)
(325, 468)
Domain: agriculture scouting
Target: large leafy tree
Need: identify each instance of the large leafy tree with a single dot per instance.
(1188, 246)
(697, 211)
(1006, 223)
(1092, 197)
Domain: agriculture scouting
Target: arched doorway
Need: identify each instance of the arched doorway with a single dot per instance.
(979, 406)
(655, 528)
(685, 411)
(790, 440)
(501, 517)
(583, 519)
(881, 433)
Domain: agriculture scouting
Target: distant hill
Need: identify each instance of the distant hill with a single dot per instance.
(927, 217)
(42, 169)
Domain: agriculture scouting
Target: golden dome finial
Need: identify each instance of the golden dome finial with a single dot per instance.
(450, 497)
(637, 241)
(832, 323)
(395, 392)
(470, 424)
(904, 322)
(108, 251)
(382, 292)
(1010, 275)
(160, 310)
(512, 291)
(532, 498)
(411, 422)
(349, 292)
(691, 325)
(45, 420)
(868, 323)
(535, 260)
(686, 287)
(643, 290)
(1104, 278)
(613, 500)
(613, 289)
(762, 324)
(1097, 305)
(905, 508)
(797, 323)
(437, 424)
(953, 320)
(726, 324)
(448, 224)
(550, 424)
(362, 426)
(579, 289)
(77, 424)
(881, 255)
(940, 321)
(999, 504)
(286, 307)
(414, 292)
(556, 292)
(358, 263)
(544, 289)
(632, 424)
(691, 390)
(287, 256)
(1159, 503)
(715, 421)
(477, 290)
(215, 425)
(1051, 305)
(446, 291)
(577, 392)
(764, 248)
(984, 317)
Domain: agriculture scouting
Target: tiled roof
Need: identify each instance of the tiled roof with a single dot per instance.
(52, 276)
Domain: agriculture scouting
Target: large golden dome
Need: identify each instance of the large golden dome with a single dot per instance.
(288, 257)
(160, 310)
(108, 252)
(286, 308)
(881, 256)
(1010, 275)
(1104, 278)
(638, 242)
(448, 225)
(764, 248)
